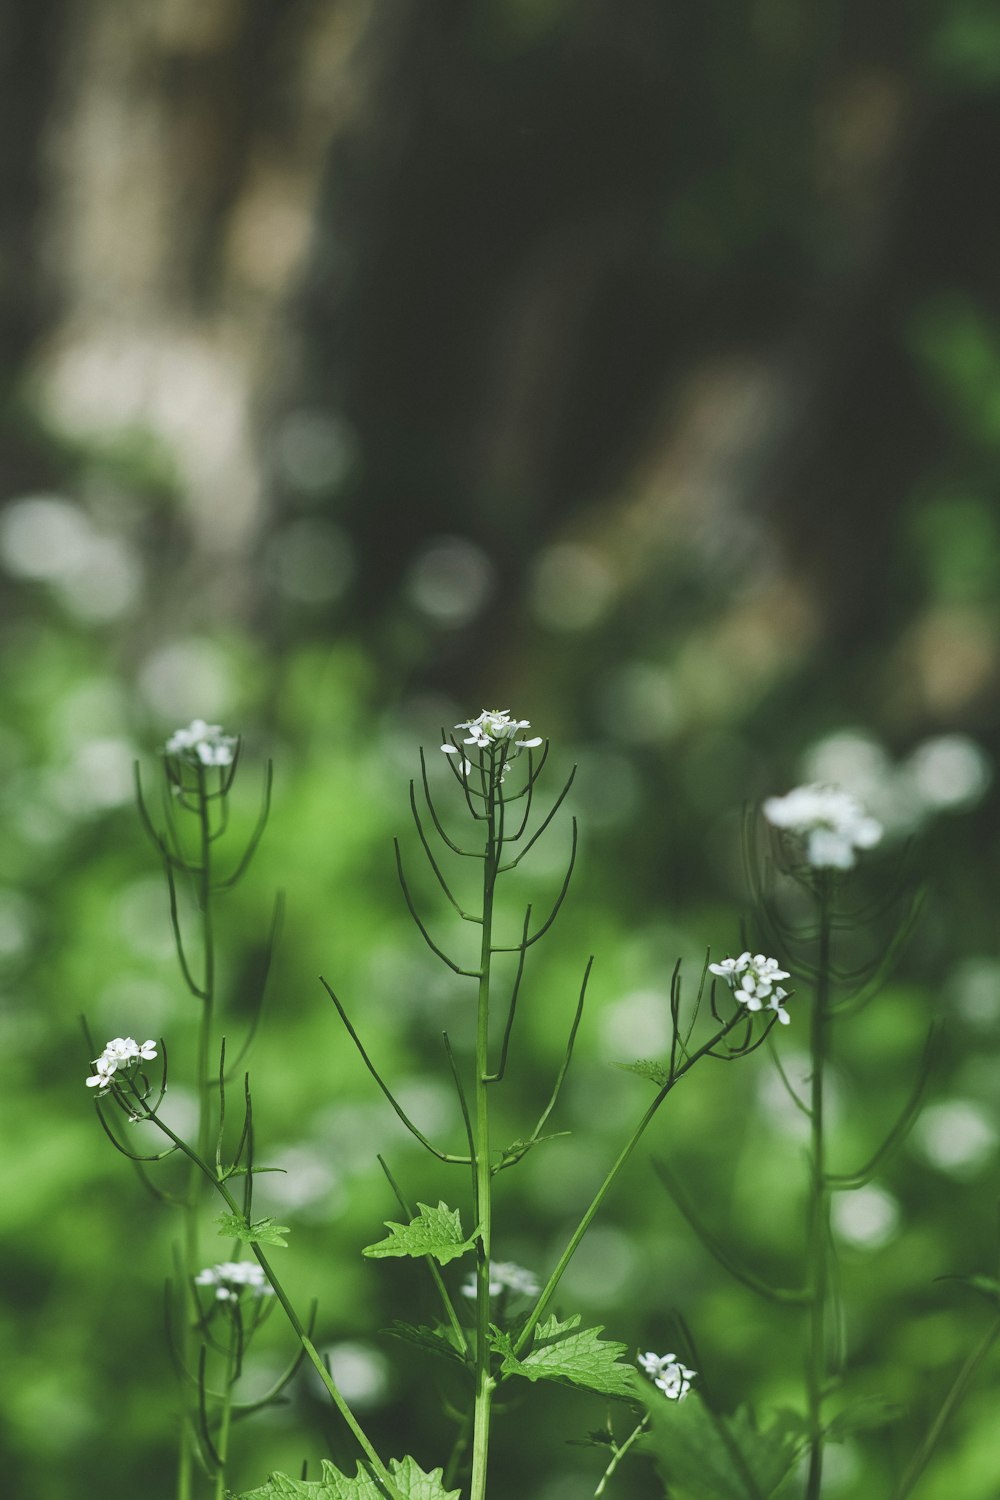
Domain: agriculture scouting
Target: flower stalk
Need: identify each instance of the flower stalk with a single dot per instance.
(818, 1238)
(485, 1383)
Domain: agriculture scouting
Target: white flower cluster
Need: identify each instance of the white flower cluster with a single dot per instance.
(493, 726)
(666, 1371)
(753, 980)
(505, 1276)
(120, 1053)
(831, 821)
(202, 744)
(233, 1277)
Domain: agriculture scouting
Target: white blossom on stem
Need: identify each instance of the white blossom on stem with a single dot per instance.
(120, 1053)
(202, 744)
(831, 822)
(753, 979)
(505, 1276)
(231, 1278)
(667, 1373)
(494, 726)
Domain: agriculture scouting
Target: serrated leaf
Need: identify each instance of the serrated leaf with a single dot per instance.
(647, 1068)
(574, 1358)
(408, 1477)
(440, 1339)
(434, 1231)
(706, 1457)
(263, 1232)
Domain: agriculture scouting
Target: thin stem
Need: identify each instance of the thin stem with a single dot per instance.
(542, 825)
(485, 1382)
(511, 1009)
(466, 916)
(620, 1453)
(818, 1233)
(437, 1278)
(567, 1055)
(225, 1418)
(382, 1474)
(581, 1229)
(438, 952)
(458, 1451)
(466, 853)
(462, 1161)
(922, 1457)
(716, 1247)
(205, 993)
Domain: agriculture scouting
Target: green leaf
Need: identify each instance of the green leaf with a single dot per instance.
(441, 1339)
(601, 1438)
(264, 1232)
(647, 1068)
(706, 1457)
(575, 1358)
(408, 1477)
(435, 1231)
(512, 1154)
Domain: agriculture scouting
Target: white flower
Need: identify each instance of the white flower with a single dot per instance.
(121, 1052)
(730, 967)
(832, 822)
(202, 744)
(775, 1004)
(494, 726)
(753, 979)
(233, 1277)
(105, 1073)
(505, 1276)
(667, 1372)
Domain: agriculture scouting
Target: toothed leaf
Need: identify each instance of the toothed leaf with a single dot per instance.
(409, 1479)
(435, 1231)
(264, 1232)
(437, 1340)
(647, 1068)
(559, 1352)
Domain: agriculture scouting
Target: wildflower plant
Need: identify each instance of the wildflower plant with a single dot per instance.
(198, 767)
(497, 1329)
(817, 837)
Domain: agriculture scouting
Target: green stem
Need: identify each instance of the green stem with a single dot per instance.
(818, 1235)
(581, 1229)
(620, 1453)
(190, 1254)
(485, 1383)
(222, 1440)
(332, 1390)
(381, 1472)
(457, 1453)
(184, 1448)
(208, 984)
(922, 1457)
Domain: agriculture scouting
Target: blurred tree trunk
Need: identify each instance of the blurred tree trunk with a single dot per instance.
(178, 152)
